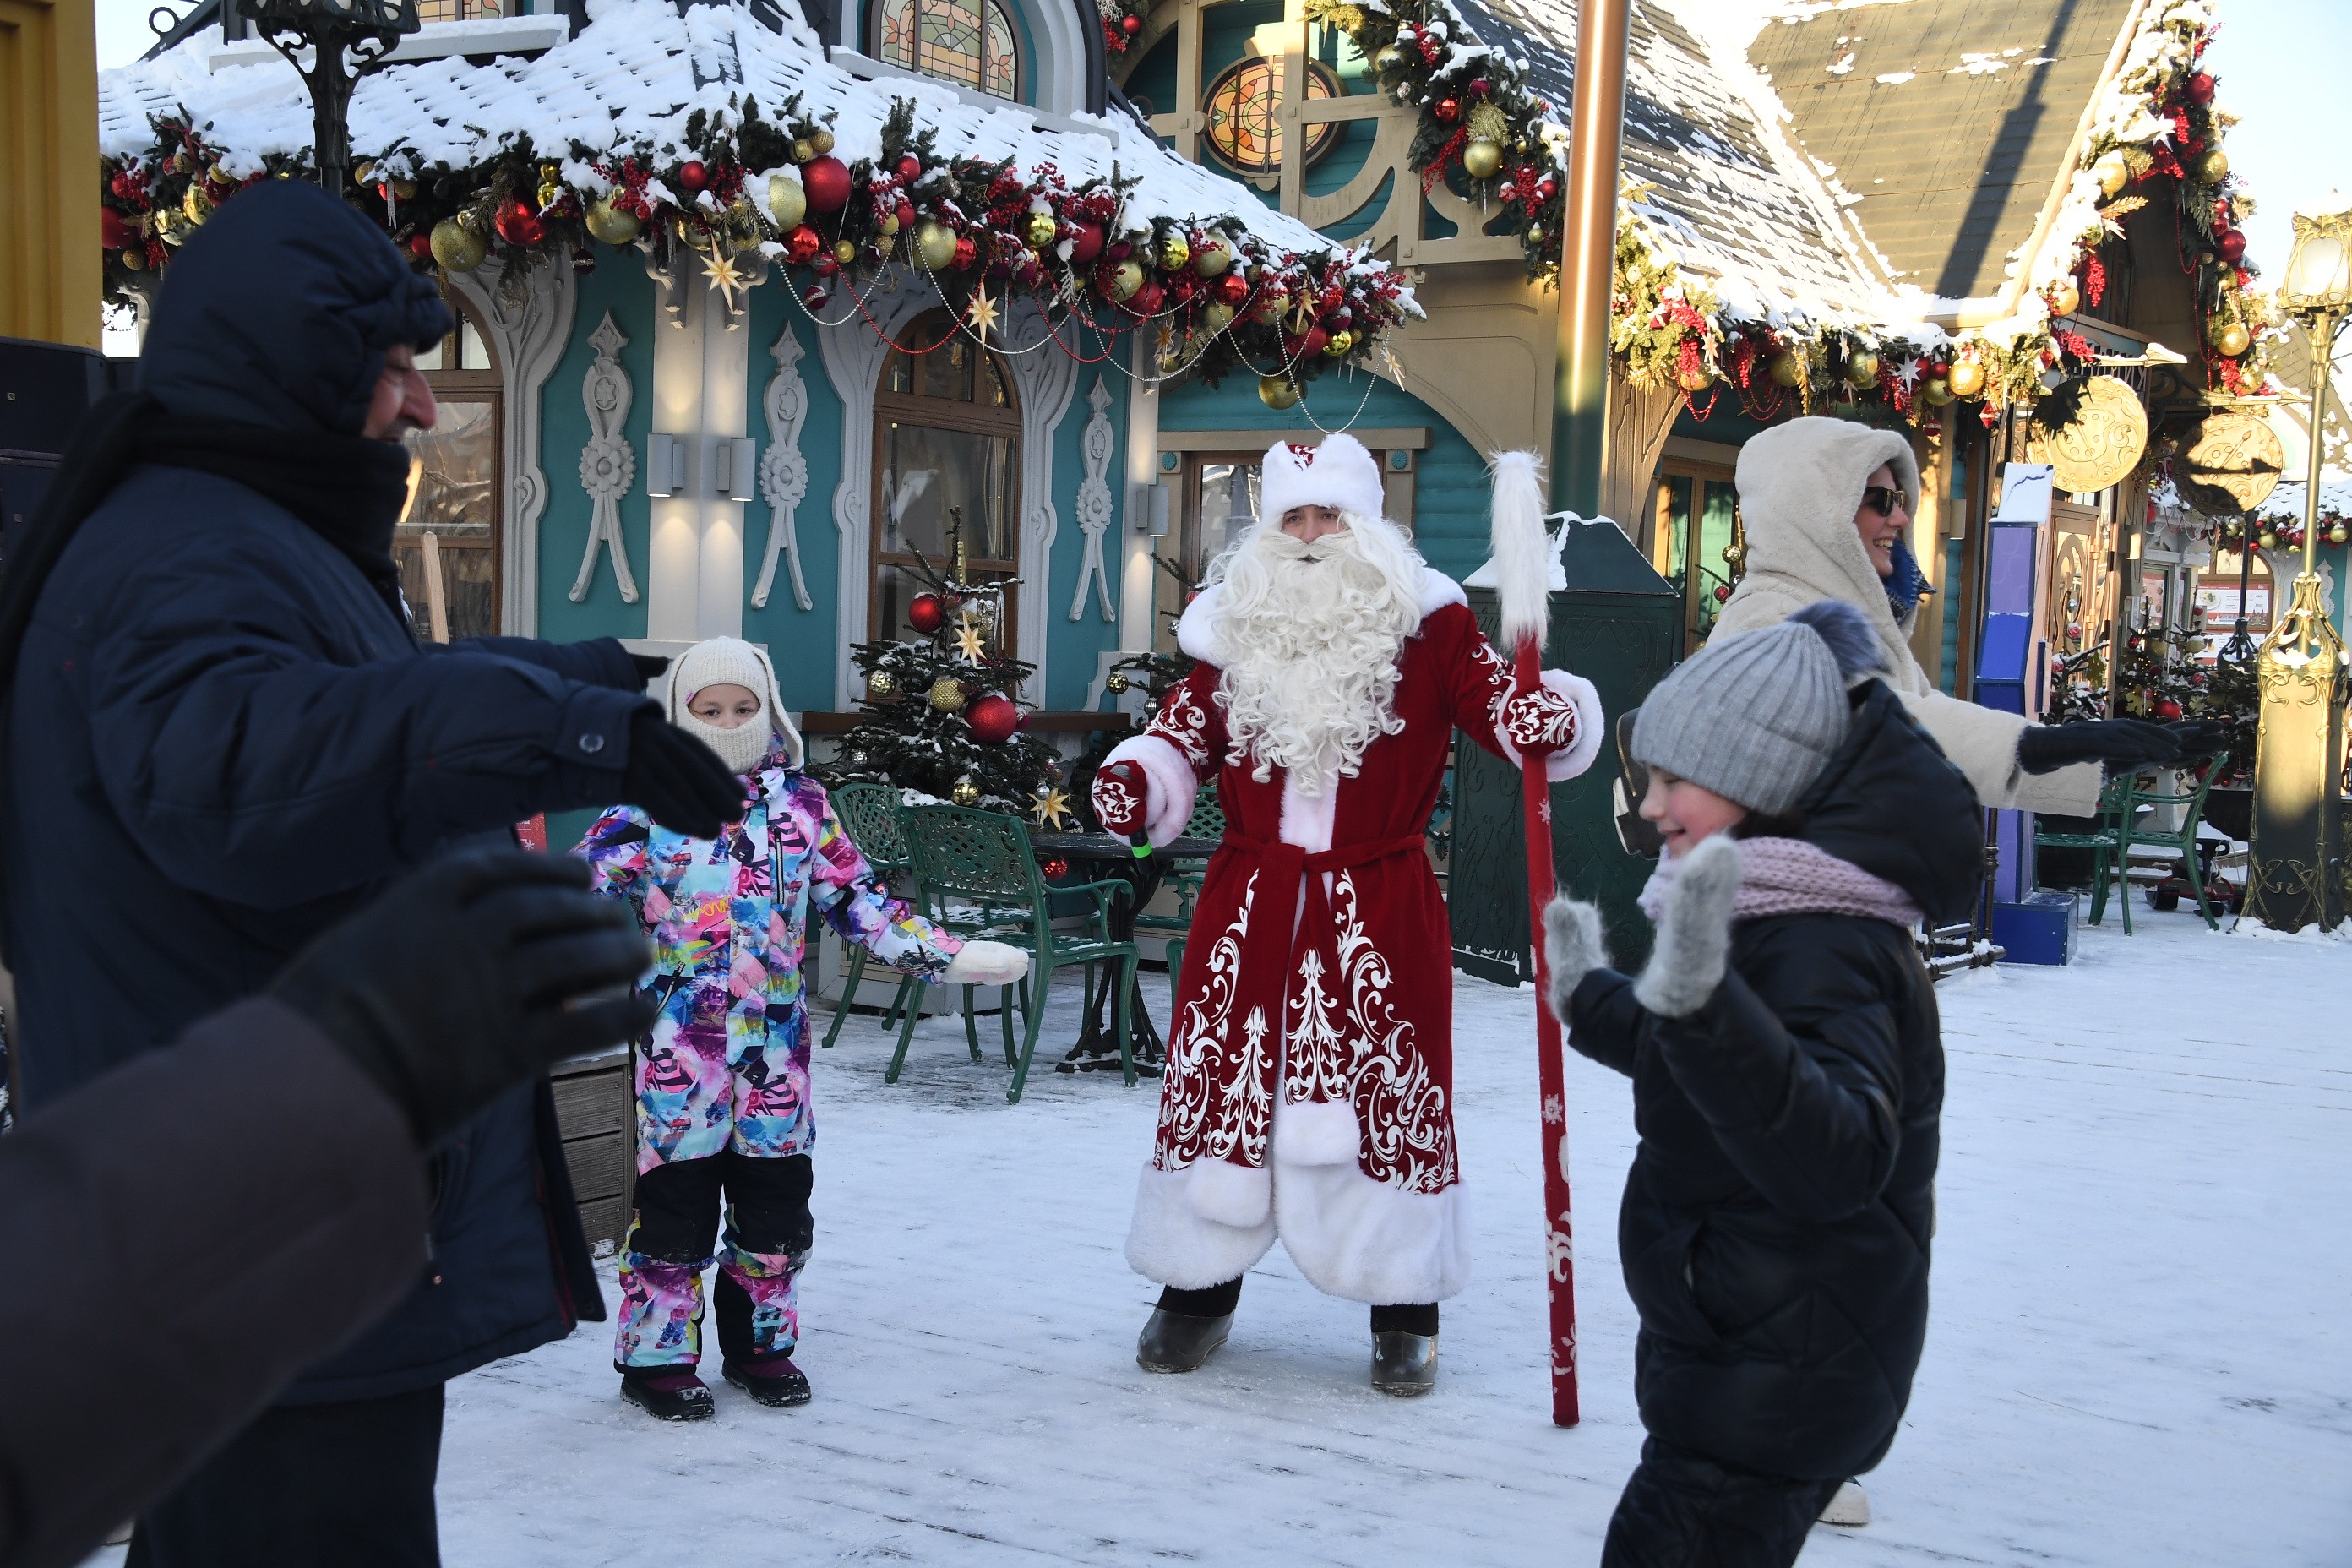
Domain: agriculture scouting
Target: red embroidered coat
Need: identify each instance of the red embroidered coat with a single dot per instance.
(1313, 1028)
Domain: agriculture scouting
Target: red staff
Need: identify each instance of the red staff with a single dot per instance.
(1524, 561)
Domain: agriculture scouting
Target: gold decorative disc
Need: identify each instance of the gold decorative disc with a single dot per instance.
(2104, 443)
(2228, 464)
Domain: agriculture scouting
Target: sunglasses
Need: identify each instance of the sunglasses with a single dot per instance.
(1885, 499)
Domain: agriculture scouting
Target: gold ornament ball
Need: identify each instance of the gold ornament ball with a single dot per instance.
(1936, 390)
(887, 226)
(935, 242)
(845, 251)
(1127, 279)
(1389, 61)
(2270, 539)
(882, 683)
(787, 203)
(2230, 338)
(458, 247)
(2065, 299)
(803, 149)
(966, 793)
(197, 203)
(134, 259)
(1174, 360)
(1535, 234)
(1338, 344)
(1211, 256)
(1784, 369)
(2212, 167)
(1043, 230)
(1277, 392)
(1176, 253)
(947, 694)
(549, 195)
(2337, 533)
(2113, 173)
(820, 142)
(1482, 159)
(1861, 368)
(1968, 378)
(611, 224)
(1698, 378)
(1216, 318)
(1116, 683)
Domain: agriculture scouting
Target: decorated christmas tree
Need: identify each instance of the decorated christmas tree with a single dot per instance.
(939, 714)
(1156, 673)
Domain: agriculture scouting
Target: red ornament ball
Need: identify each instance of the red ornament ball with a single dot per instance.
(517, 224)
(2166, 708)
(803, 243)
(1448, 110)
(1131, 25)
(2232, 245)
(826, 182)
(1480, 87)
(1149, 299)
(420, 244)
(816, 298)
(966, 252)
(926, 614)
(119, 233)
(1232, 287)
(1722, 592)
(1055, 867)
(2200, 88)
(910, 168)
(693, 175)
(1085, 244)
(1308, 346)
(993, 718)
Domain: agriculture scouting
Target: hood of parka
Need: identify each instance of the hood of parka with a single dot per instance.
(1891, 803)
(279, 311)
(1800, 485)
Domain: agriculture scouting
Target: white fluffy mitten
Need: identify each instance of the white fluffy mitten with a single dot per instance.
(1693, 933)
(1573, 948)
(986, 963)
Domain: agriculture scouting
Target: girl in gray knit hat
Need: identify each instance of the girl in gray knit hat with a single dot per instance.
(1787, 1077)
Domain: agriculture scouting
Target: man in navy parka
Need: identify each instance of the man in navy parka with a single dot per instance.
(223, 733)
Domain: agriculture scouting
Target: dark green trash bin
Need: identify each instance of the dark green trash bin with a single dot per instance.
(1618, 624)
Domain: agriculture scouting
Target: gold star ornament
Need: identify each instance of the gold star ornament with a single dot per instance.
(981, 312)
(724, 275)
(1052, 808)
(970, 646)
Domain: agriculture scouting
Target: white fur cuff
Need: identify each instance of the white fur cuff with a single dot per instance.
(1236, 1196)
(1171, 787)
(1592, 724)
(1169, 1243)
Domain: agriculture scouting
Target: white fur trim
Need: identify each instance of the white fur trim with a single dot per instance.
(1170, 785)
(1590, 725)
(1367, 1241)
(1307, 820)
(1239, 1196)
(1195, 636)
(1339, 474)
(1316, 1133)
(1169, 1243)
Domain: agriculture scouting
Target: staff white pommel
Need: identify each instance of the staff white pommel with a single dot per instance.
(1527, 558)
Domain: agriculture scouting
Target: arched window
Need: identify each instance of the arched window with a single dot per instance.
(968, 41)
(947, 442)
(452, 519)
(1240, 106)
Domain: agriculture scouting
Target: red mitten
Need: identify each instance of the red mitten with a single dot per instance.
(1121, 794)
(1539, 718)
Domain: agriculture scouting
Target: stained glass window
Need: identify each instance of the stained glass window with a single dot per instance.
(1242, 130)
(969, 41)
(947, 440)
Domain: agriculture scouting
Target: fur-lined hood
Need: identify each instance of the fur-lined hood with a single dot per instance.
(1194, 636)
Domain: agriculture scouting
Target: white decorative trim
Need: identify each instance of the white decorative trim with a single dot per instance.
(1045, 378)
(608, 465)
(528, 334)
(783, 471)
(853, 363)
(1093, 507)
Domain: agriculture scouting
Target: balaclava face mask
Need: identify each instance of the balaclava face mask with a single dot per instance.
(730, 661)
(739, 748)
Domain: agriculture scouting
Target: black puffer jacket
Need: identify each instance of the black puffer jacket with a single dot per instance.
(1776, 1224)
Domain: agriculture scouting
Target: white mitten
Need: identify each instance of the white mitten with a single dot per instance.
(1573, 948)
(986, 963)
(1694, 932)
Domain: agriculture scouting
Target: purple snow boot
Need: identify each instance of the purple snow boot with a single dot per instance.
(771, 1380)
(667, 1393)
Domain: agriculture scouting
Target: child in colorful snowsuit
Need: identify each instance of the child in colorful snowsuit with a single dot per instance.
(722, 1080)
(1788, 1081)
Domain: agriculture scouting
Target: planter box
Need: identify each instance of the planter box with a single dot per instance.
(592, 1108)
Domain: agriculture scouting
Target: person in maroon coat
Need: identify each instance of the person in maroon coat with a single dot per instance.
(1308, 1088)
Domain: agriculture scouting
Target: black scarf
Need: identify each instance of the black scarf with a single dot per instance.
(348, 489)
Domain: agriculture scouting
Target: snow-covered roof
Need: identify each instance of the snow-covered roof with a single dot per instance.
(634, 76)
(2285, 502)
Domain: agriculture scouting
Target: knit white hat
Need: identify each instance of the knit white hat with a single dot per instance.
(1339, 473)
(730, 661)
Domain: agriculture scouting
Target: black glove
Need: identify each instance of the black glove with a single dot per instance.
(2200, 738)
(2118, 742)
(650, 665)
(679, 780)
(471, 976)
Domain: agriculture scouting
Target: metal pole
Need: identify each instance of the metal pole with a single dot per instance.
(1588, 260)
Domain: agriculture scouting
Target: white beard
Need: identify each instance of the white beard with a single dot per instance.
(1312, 633)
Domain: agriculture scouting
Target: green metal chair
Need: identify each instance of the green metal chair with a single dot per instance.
(2181, 840)
(976, 868)
(869, 815)
(1184, 877)
(2106, 845)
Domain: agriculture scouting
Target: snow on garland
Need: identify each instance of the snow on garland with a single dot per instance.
(740, 191)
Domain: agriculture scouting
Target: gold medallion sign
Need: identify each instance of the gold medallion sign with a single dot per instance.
(2102, 446)
(2228, 464)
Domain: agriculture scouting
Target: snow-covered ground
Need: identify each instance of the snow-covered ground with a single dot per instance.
(2138, 1353)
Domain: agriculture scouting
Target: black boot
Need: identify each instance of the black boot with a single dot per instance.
(666, 1392)
(1187, 1328)
(1404, 1349)
(771, 1380)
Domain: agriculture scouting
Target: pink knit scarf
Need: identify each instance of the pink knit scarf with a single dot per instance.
(1790, 876)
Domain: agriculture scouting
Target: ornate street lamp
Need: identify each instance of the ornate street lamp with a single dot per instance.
(2297, 874)
(369, 29)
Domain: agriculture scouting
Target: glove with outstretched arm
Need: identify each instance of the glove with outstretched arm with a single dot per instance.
(1122, 792)
(2118, 742)
(679, 782)
(985, 963)
(649, 666)
(472, 976)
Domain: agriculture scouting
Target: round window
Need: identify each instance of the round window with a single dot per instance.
(1242, 130)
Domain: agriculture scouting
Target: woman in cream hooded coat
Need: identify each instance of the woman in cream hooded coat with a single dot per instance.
(1801, 493)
